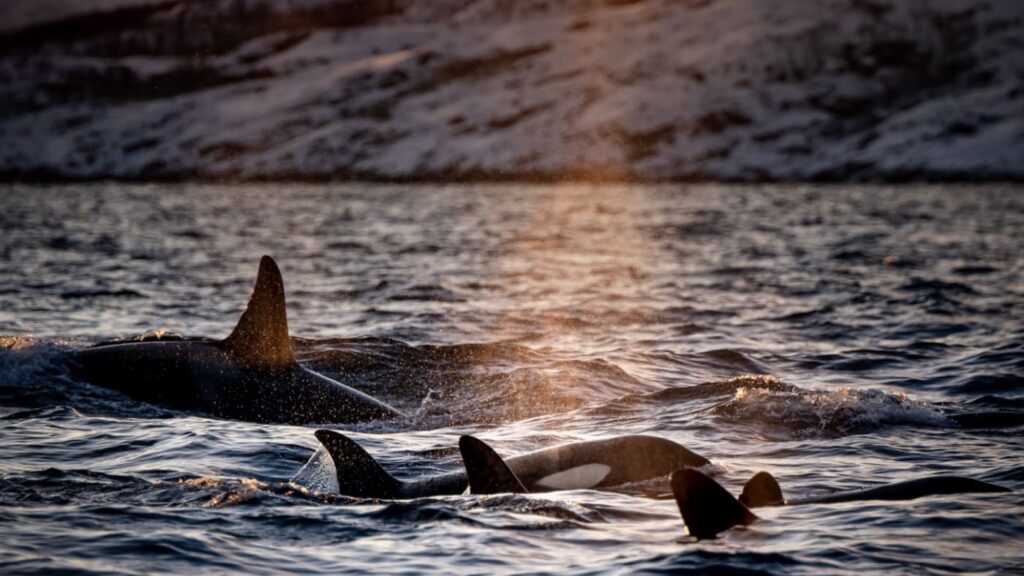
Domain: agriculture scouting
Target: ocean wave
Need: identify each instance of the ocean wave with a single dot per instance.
(604, 323)
(32, 372)
(318, 473)
(468, 383)
(828, 413)
(709, 390)
(216, 492)
(57, 412)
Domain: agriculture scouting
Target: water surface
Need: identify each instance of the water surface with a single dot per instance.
(827, 334)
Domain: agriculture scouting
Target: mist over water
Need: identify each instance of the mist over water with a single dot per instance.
(838, 337)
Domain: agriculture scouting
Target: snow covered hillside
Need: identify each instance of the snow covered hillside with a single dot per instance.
(505, 89)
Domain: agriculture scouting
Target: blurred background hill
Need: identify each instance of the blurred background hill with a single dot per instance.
(737, 90)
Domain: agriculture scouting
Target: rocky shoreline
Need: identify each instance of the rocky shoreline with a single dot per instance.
(542, 91)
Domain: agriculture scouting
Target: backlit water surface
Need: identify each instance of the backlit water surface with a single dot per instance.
(823, 333)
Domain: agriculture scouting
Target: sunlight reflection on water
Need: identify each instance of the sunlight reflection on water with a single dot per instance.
(529, 315)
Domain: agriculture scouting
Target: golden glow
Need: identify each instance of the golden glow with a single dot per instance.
(572, 271)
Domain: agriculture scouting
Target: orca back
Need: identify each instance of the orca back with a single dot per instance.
(602, 463)
(910, 490)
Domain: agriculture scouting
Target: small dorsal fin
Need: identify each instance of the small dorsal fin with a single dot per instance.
(705, 506)
(762, 490)
(261, 336)
(487, 472)
(359, 475)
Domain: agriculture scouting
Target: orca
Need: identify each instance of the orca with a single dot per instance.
(579, 465)
(708, 509)
(251, 375)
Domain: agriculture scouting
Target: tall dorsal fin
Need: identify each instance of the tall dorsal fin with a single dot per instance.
(486, 471)
(261, 336)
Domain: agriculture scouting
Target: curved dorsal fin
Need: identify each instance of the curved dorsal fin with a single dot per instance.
(762, 490)
(486, 471)
(706, 507)
(359, 475)
(261, 336)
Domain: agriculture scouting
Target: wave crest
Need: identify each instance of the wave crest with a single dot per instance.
(828, 413)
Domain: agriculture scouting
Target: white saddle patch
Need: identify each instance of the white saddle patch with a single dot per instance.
(586, 476)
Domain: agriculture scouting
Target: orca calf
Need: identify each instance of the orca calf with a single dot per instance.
(707, 508)
(590, 464)
(250, 375)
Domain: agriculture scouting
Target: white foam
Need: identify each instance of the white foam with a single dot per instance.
(23, 358)
(318, 473)
(829, 412)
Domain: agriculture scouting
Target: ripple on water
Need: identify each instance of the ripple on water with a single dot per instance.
(839, 337)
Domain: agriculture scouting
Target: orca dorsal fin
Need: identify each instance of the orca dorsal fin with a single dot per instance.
(359, 475)
(762, 490)
(706, 507)
(486, 471)
(261, 336)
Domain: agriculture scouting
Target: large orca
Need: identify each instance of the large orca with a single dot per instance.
(590, 464)
(250, 375)
(707, 508)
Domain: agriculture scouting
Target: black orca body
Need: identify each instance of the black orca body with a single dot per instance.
(707, 508)
(580, 465)
(251, 375)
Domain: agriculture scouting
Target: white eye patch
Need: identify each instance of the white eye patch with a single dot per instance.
(586, 476)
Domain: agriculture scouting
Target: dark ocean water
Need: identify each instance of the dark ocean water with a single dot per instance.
(838, 337)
